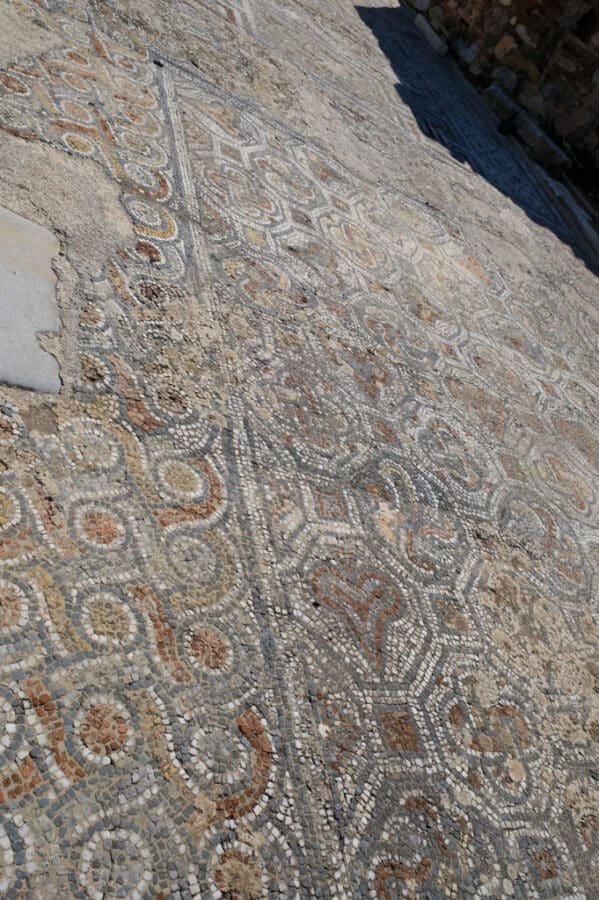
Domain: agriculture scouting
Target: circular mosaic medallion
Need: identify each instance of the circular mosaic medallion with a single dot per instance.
(115, 862)
(104, 731)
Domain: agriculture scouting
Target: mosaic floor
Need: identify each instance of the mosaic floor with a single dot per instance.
(297, 571)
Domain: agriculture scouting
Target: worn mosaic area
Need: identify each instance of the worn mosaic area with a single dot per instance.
(297, 571)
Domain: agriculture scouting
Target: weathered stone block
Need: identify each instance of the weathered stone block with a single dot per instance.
(27, 303)
(420, 5)
(430, 35)
(466, 53)
(504, 45)
(506, 79)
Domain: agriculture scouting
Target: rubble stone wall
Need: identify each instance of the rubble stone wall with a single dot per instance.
(545, 53)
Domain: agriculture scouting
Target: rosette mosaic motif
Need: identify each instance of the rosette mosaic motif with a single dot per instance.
(296, 572)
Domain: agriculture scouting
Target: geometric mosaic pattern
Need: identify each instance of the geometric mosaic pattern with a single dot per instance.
(297, 574)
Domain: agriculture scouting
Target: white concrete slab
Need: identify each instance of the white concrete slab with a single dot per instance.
(27, 303)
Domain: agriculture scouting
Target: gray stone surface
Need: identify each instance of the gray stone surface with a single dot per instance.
(27, 303)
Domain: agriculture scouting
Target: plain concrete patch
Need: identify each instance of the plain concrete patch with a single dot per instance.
(27, 303)
(77, 201)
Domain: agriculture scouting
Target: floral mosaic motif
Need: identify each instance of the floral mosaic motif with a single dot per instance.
(296, 572)
(363, 598)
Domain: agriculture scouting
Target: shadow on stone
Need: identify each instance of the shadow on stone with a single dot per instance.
(448, 110)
